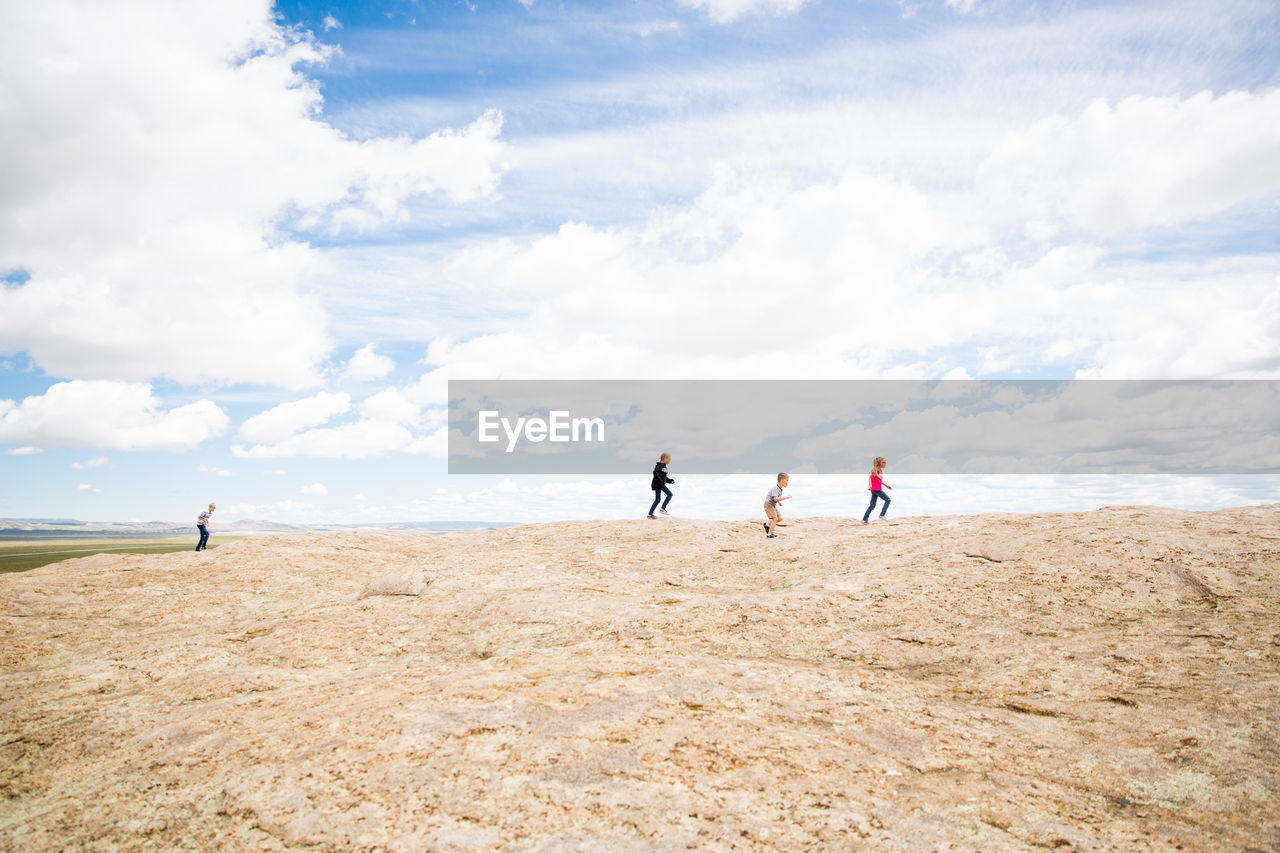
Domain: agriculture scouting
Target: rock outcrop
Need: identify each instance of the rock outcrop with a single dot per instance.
(1088, 681)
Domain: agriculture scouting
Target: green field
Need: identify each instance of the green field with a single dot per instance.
(18, 555)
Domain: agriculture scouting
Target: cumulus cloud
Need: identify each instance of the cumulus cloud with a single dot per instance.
(391, 405)
(316, 489)
(725, 11)
(866, 276)
(1142, 162)
(279, 510)
(819, 281)
(358, 440)
(366, 364)
(282, 421)
(95, 462)
(117, 415)
(87, 487)
(389, 421)
(156, 163)
(217, 472)
(24, 451)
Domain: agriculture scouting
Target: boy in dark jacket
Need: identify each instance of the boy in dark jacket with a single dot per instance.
(659, 485)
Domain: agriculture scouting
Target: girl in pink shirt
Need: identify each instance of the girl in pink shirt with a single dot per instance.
(876, 485)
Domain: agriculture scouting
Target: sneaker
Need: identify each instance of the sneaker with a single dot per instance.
(664, 512)
(653, 516)
(772, 536)
(864, 521)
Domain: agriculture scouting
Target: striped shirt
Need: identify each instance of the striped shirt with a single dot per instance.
(204, 518)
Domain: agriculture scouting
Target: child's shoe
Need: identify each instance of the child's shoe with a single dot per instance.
(664, 512)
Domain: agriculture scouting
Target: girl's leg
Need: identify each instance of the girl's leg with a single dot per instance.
(657, 495)
(667, 490)
(884, 508)
(867, 514)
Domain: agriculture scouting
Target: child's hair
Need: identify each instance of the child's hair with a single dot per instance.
(783, 476)
(666, 457)
(879, 462)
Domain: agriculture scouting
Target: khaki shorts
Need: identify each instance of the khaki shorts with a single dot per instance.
(771, 510)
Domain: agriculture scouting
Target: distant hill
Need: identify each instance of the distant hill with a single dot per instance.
(23, 528)
(70, 528)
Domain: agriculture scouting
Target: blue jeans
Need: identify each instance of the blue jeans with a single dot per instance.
(657, 496)
(877, 494)
(204, 536)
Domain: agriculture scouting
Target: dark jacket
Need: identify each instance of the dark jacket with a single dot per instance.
(660, 478)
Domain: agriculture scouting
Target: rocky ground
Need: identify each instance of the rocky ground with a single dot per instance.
(1091, 681)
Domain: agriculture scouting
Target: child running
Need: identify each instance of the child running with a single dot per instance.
(876, 485)
(771, 502)
(659, 485)
(203, 522)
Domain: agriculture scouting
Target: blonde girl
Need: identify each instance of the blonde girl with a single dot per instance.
(876, 485)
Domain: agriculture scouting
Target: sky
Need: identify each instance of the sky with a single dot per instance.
(244, 245)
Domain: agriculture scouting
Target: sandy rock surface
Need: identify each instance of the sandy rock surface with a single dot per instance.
(1093, 681)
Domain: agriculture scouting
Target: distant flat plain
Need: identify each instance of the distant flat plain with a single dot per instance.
(19, 555)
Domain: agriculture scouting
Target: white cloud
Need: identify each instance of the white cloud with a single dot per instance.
(651, 28)
(391, 405)
(277, 511)
(331, 23)
(386, 422)
(865, 276)
(117, 415)
(825, 280)
(152, 155)
(315, 489)
(366, 364)
(1174, 320)
(725, 11)
(88, 487)
(25, 451)
(281, 422)
(217, 472)
(95, 462)
(434, 444)
(1143, 162)
(358, 440)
